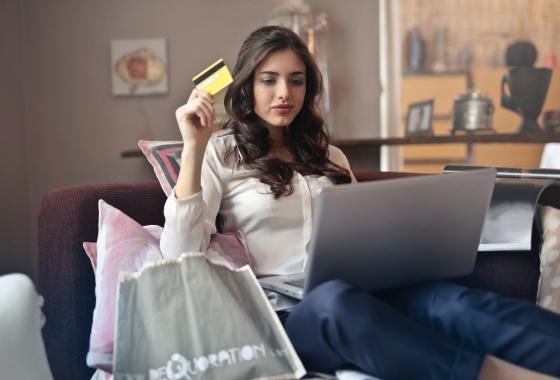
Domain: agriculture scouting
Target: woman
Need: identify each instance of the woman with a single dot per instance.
(258, 177)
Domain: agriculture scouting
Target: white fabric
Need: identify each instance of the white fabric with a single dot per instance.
(276, 231)
(550, 158)
(101, 375)
(22, 353)
(353, 375)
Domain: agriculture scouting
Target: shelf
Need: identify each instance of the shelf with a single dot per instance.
(443, 116)
(364, 154)
(435, 73)
(514, 138)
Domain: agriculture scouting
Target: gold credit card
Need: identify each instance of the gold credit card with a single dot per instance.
(214, 78)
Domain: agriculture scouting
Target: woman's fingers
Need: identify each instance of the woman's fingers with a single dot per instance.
(199, 94)
(181, 114)
(192, 96)
(208, 107)
(202, 99)
(199, 108)
(202, 117)
(197, 112)
(204, 95)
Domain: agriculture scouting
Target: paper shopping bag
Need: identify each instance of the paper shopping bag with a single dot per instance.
(192, 319)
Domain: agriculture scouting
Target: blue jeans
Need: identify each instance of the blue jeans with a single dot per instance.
(436, 330)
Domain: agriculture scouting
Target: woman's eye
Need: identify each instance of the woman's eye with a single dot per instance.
(298, 82)
(268, 81)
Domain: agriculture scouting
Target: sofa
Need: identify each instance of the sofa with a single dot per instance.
(68, 217)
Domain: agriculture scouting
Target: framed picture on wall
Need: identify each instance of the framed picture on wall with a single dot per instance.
(139, 67)
(419, 118)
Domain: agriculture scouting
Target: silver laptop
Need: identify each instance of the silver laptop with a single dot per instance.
(390, 233)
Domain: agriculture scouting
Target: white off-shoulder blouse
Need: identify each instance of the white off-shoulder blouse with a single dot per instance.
(276, 231)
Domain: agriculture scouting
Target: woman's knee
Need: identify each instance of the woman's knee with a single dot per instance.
(322, 303)
(324, 300)
(311, 323)
(422, 301)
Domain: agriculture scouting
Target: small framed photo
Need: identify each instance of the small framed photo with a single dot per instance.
(419, 118)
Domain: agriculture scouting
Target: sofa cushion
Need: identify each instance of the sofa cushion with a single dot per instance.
(165, 158)
(549, 285)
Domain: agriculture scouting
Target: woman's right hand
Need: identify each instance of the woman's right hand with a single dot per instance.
(195, 118)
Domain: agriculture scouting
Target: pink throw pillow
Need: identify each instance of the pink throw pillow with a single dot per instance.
(229, 249)
(165, 158)
(122, 245)
(91, 252)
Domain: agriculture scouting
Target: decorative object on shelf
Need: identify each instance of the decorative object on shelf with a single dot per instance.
(415, 49)
(521, 54)
(526, 85)
(465, 58)
(139, 66)
(489, 25)
(495, 57)
(527, 88)
(550, 61)
(551, 121)
(314, 29)
(419, 118)
(441, 56)
(472, 112)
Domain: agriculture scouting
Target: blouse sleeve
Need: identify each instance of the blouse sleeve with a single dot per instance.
(190, 222)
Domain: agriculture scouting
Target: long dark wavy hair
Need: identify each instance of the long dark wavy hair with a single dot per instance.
(306, 136)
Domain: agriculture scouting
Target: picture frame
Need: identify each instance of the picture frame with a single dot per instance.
(139, 67)
(419, 118)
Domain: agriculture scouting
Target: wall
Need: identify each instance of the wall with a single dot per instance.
(354, 66)
(14, 231)
(75, 128)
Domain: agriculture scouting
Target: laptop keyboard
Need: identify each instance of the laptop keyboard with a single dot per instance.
(298, 282)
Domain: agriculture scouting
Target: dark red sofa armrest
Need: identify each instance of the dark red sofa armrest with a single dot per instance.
(68, 217)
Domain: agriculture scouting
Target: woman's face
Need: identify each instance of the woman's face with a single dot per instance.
(279, 88)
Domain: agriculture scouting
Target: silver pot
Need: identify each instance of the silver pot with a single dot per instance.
(472, 112)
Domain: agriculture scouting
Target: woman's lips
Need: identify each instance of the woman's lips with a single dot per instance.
(283, 109)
